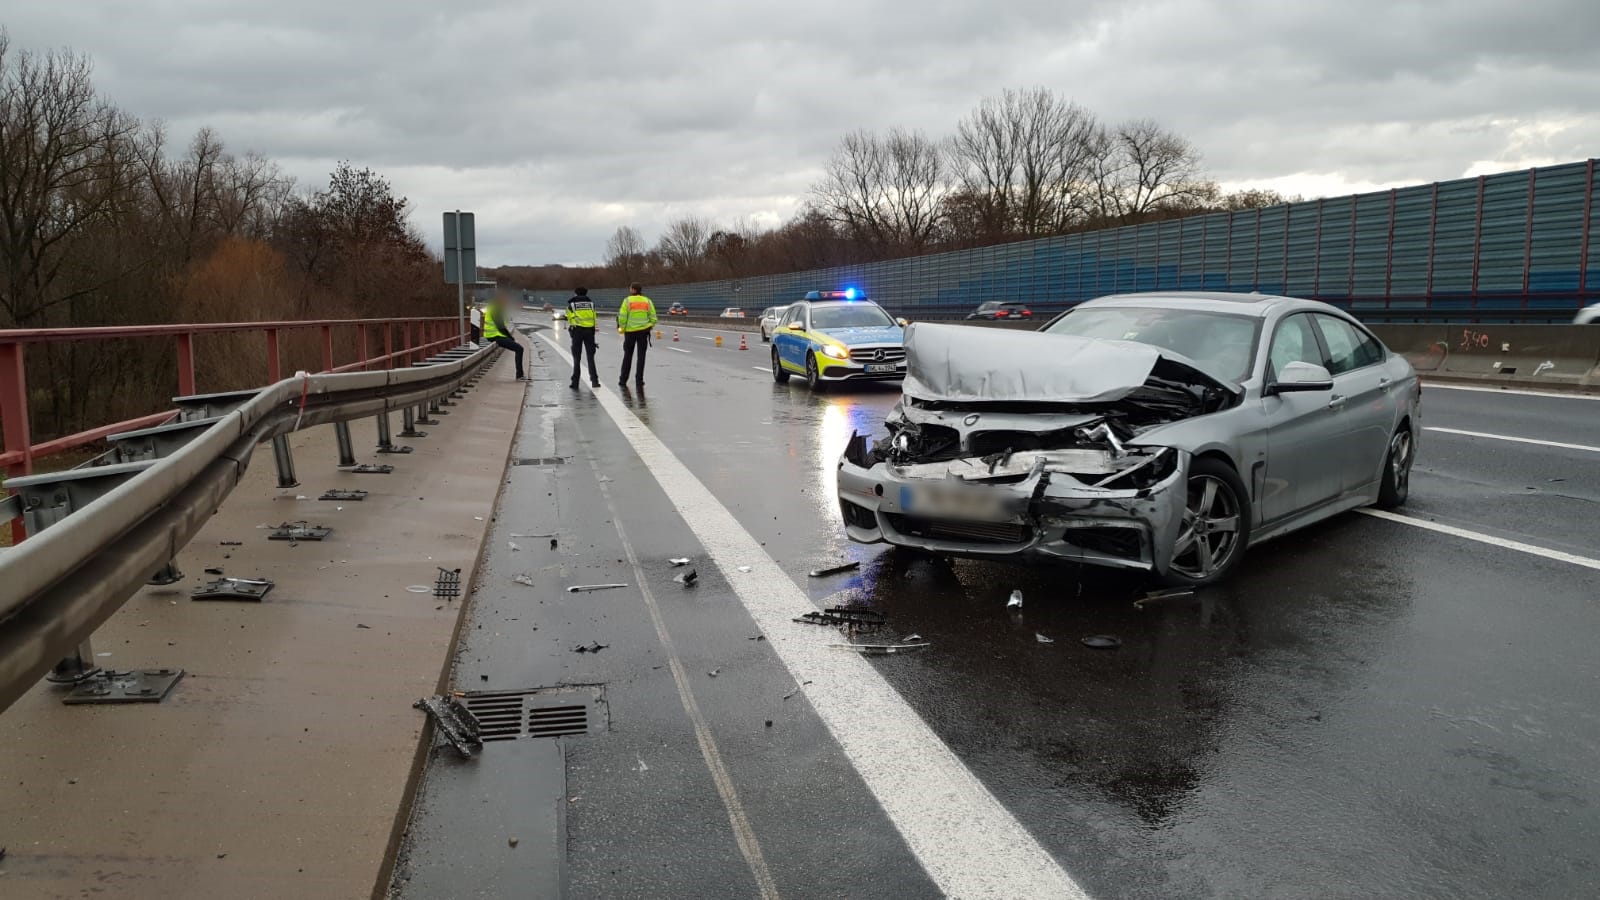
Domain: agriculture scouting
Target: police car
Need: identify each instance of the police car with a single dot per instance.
(835, 336)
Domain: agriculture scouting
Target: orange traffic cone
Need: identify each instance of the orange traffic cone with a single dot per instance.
(674, 335)
(742, 345)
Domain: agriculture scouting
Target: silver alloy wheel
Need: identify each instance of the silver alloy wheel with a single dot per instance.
(1400, 461)
(1210, 534)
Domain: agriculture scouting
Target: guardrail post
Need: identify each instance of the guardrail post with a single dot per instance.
(274, 373)
(284, 460)
(186, 365)
(408, 417)
(327, 348)
(77, 668)
(422, 415)
(385, 441)
(15, 433)
(347, 450)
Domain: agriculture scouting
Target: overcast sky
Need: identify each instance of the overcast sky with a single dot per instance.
(557, 122)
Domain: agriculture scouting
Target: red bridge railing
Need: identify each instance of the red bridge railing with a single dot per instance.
(404, 341)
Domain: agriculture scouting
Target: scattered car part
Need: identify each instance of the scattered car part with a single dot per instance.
(687, 579)
(249, 589)
(582, 588)
(595, 647)
(1016, 600)
(844, 616)
(681, 561)
(1102, 642)
(835, 570)
(881, 649)
(453, 720)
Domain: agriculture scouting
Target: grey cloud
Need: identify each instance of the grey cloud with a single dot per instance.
(561, 121)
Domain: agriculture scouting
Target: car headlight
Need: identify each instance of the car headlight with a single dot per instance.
(835, 351)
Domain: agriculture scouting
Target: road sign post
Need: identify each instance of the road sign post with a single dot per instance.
(460, 261)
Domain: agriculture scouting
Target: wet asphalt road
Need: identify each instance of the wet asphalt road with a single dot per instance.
(1367, 710)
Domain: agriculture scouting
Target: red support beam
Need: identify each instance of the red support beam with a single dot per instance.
(361, 344)
(327, 348)
(274, 367)
(186, 365)
(388, 346)
(405, 345)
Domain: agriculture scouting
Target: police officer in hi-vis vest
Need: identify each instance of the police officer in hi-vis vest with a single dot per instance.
(634, 321)
(580, 326)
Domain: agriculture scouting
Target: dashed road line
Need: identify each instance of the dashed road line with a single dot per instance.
(1559, 395)
(965, 838)
(1480, 537)
(1513, 438)
(679, 350)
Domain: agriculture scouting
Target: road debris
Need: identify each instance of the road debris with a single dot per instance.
(642, 766)
(232, 589)
(525, 580)
(448, 584)
(846, 617)
(791, 693)
(687, 579)
(553, 543)
(715, 672)
(298, 531)
(453, 720)
(913, 638)
(835, 570)
(1016, 600)
(881, 649)
(213, 571)
(230, 543)
(1044, 640)
(513, 546)
(769, 723)
(1102, 642)
(744, 568)
(595, 647)
(758, 637)
(680, 561)
(546, 534)
(512, 841)
(1164, 595)
(581, 588)
(359, 625)
(419, 589)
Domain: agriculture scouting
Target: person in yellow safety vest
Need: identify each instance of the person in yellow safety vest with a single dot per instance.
(634, 321)
(497, 329)
(581, 323)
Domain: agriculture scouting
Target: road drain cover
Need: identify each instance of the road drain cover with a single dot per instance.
(540, 461)
(537, 713)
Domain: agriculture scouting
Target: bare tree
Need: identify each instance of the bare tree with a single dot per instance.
(1026, 160)
(1141, 167)
(625, 253)
(683, 245)
(886, 192)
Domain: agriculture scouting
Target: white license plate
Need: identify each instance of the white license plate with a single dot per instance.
(947, 503)
(881, 367)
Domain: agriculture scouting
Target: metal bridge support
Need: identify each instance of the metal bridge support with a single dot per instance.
(408, 417)
(284, 459)
(422, 415)
(385, 440)
(347, 450)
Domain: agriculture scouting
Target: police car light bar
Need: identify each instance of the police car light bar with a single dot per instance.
(846, 294)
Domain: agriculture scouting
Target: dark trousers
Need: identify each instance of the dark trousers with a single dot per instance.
(512, 345)
(477, 333)
(582, 339)
(634, 341)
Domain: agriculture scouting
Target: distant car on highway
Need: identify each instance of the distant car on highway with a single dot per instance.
(1162, 432)
(769, 321)
(678, 309)
(1589, 315)
(732, 312)
(834, 336)
(999, 309)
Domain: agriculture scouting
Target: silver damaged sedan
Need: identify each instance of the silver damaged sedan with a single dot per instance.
(1159, 432)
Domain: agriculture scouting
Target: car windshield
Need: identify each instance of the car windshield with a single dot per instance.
(848, 315)
(1225, 344)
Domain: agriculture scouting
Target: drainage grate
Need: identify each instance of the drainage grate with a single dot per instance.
(539, 713)
(540, 461)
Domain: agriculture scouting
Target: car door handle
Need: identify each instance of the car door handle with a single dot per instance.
(1336, 401)
(1383, 384)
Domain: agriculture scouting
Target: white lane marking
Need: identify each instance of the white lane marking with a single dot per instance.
(1512, 438)
(967, 841)
(679, 350)
(761, 368)
(701, 337)
(1453, 531)
(744, 834)
(1559, 395)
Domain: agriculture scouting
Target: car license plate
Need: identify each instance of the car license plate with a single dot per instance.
(880, 367)
(981, 503)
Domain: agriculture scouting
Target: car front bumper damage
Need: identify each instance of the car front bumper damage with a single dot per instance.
(1038, 505)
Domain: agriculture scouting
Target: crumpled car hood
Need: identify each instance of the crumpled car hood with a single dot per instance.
(968, 364)
(875, 334)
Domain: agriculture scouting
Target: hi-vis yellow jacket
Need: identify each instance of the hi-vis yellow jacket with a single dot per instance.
(637, 314)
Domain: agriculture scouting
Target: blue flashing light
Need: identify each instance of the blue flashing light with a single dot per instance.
(849, 293)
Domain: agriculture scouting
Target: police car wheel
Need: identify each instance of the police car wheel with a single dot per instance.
(813, 374)
(779, 373)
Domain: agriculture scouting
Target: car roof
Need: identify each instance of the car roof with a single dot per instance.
(1239, 304)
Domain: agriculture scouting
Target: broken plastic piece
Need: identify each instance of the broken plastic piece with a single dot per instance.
(913, 638)
(687, 579)
(744, 568)
(581, 588)
(1181, 593)
(881, 649)
(419, 589)
(596, 647)
(513, 545)
(525, 580)
(834, 570)
(1044, 640)
(1016, 600)
(683, 561)
(855, 619)
(1102, 642)
(714, 672)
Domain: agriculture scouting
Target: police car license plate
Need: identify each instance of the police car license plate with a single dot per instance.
(880, 367)
(973, 502)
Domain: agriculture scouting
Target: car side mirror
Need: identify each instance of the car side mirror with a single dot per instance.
(903, 322)
(1301, 378)
(796, 326)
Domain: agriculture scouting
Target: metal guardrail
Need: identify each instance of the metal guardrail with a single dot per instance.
(63, 582)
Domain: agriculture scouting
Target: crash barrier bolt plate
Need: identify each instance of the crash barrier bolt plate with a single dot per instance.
(167, 574)
(299, 531)
(250, 589)
(368, 469)
(130, 686)
(336, 494)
